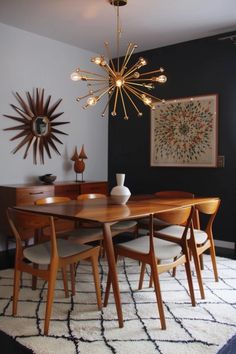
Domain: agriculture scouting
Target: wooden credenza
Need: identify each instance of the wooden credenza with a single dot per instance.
(23, 194)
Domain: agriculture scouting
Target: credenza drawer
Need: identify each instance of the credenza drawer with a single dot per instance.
(31, 194)
(95, 187)
(67, 190)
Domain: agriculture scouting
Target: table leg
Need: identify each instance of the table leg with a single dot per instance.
(112, 268)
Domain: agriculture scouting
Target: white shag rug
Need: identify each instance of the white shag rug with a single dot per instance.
(78, 327)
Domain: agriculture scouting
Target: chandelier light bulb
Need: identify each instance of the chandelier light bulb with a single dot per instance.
(75, 76)
(97, 60)
(136, 75)
(146, 100)
(120, 81)
(161, 79)
(142, 61)
(103, 62)
(91, 101)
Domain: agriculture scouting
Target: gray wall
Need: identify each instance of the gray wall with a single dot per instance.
(29, 61)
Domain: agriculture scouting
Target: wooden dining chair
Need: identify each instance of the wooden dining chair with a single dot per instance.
(150, 250)
(159, 224)
(61, 225)
(120, 226)
(48, 256)
(200, 240)
(69, 229)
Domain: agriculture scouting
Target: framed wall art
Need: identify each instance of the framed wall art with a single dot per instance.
(184, 132)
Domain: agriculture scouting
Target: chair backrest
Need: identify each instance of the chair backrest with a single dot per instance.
(181, 216)
(51, 200)
(20, 221)
(174, 194)
(210, 209)
(62, 225)
(91, 196)
(176, 217)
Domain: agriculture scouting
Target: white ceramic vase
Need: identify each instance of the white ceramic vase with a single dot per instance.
(120, 193)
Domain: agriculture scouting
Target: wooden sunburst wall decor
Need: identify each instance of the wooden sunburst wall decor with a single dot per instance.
(37, 127)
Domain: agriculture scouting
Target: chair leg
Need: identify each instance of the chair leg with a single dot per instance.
(65, 281)
(201, 261)
(197, 267)
(50, 296)
(174, 269)
(151, 279)
(190, 283)
(151, 275)
(158, 293)
(143, 267)
(213, 260)
(189, 275)
(34, 278)
(72, 278)
(17, 275)
(94, 260)
(108, 288)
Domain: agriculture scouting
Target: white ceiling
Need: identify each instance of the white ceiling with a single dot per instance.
(149, 23)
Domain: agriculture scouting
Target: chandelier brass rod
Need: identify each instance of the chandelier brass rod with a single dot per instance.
(134, 92)
(139, 96)
(136, 84)
(139, 79)
(131, 70)
(94, 79)
(152, 72)
(117, 38)
(108, 101)
(127, 60)
(89, 93)
(123, 103)
(124, 61)
(91, 73)
(136, 108)
(145, 93)
(106, 44)
(103, 93)
(115, 103)
(109, 69)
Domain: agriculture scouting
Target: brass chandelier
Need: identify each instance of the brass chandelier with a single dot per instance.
(119, 80)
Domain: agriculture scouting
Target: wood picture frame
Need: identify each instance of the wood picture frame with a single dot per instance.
(184, 132)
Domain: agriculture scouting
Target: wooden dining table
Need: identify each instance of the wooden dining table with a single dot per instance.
(107, 212)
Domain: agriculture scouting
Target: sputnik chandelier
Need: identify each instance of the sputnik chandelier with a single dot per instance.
(120, 81)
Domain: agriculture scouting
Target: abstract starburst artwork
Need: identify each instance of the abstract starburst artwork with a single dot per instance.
(37, 127)
(184, 132)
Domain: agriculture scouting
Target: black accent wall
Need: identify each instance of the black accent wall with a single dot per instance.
(198, 67)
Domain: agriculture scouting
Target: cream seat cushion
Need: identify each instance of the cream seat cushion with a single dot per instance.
(41, 253)
(123, 225)
(163, 249)
(177, 232)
